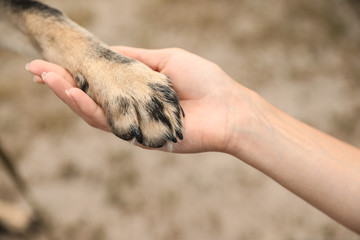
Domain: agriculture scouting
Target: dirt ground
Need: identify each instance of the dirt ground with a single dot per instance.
(302, 56)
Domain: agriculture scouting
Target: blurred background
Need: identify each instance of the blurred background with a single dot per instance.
(302, 56)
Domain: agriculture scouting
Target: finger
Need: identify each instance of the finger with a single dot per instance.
(77, 100)
(38, 67)
(38, 79)
(59, 85)
(155, 59)
(88, 109)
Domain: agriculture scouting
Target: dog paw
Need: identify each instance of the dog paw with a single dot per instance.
(139, 103)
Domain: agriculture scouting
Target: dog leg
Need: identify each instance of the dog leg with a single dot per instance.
(139, 103)
(16, 212)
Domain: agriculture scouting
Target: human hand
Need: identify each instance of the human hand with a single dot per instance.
(64, 86)
(222, 115)
(206, 94)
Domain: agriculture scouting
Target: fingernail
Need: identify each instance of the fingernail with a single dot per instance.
(27, 67)
(37, 79)
(43, 75)
(69, 95)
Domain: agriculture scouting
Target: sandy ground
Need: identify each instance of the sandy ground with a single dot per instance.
(302, 56)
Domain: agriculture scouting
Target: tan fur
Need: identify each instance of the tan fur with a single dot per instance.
(138, 102)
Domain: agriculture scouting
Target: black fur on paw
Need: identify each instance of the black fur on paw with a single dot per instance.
(152, 123)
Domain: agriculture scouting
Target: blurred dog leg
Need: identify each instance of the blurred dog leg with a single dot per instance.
(16, 213)
(15, 216)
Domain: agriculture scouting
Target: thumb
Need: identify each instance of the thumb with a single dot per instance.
(154, 58)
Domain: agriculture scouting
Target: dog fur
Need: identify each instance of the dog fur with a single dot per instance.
(139, 103)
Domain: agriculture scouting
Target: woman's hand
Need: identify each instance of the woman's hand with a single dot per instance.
(222, 115)
(206, 93)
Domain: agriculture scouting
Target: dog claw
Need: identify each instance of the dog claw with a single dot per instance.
(180, 135)
(173, 139)
(138, 135)
(182, 111)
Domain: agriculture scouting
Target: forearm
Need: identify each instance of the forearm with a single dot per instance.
(319, 168)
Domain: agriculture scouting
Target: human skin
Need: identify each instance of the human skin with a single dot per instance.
(224, 116)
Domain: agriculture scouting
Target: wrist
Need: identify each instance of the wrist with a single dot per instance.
(250, 121)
